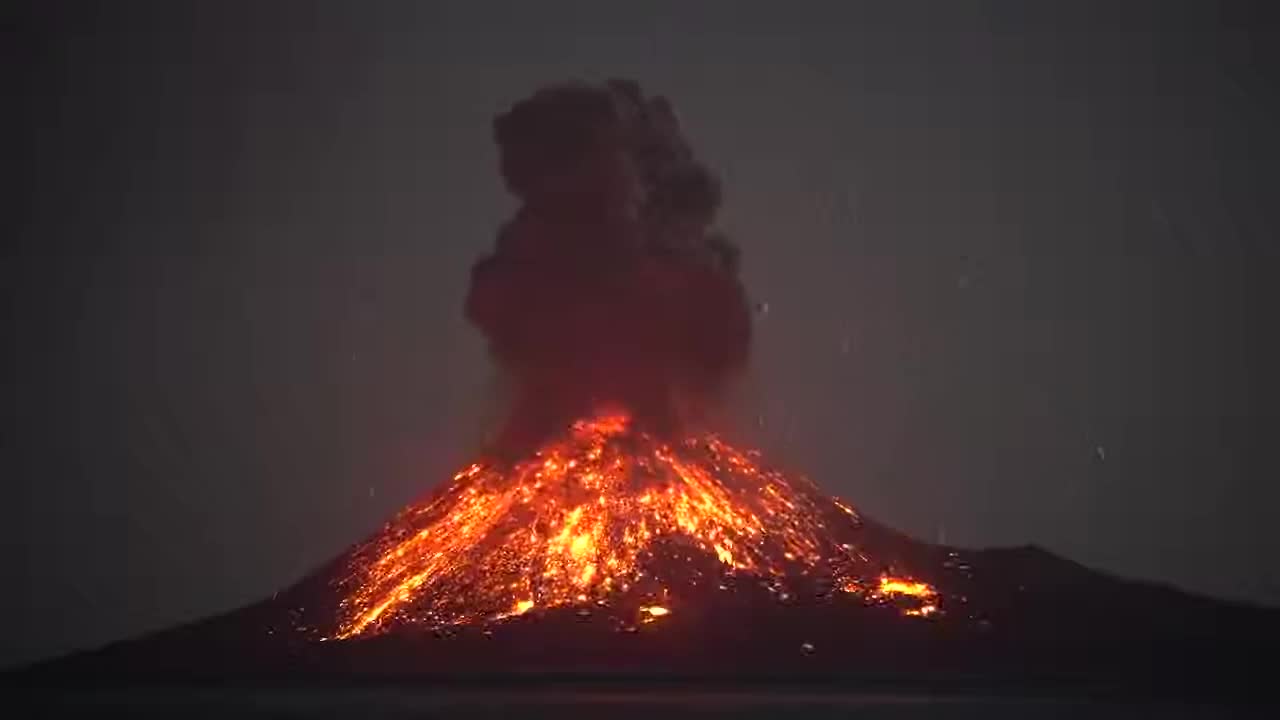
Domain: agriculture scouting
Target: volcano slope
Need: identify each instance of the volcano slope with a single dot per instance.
(609, 556)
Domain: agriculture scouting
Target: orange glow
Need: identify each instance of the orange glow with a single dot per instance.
(922, 611)
(582, 522)
(924, 595)
(902, 586)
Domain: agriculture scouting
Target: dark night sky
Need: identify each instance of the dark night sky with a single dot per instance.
(992, 241)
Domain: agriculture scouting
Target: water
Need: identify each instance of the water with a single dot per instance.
(661, 704)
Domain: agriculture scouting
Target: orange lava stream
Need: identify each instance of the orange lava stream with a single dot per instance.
(578, 524)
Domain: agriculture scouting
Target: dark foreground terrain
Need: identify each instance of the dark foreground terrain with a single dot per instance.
(1021, 632)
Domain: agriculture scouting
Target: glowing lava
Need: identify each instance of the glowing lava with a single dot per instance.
(584, 522)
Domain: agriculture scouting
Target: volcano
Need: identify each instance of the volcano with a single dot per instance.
(606, 536)
(609, 555)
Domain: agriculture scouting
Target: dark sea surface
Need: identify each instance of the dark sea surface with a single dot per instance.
(659, 704)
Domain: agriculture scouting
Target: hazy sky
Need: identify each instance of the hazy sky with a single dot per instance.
(1019, 266)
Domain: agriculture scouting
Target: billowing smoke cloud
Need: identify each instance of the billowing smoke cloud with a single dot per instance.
(609, 287)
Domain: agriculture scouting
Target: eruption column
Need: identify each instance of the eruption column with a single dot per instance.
(608, 288)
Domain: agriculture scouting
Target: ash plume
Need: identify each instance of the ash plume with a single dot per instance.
(609, 287)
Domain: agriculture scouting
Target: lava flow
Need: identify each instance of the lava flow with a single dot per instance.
(586, 520)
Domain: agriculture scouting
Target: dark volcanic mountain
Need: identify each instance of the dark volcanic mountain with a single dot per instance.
(1013, 619)
(1045, 623)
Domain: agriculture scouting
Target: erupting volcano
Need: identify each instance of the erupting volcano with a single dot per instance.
(608, 529)
(595, 519)
(618, 314)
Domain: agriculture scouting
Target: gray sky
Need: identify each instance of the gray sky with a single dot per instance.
(1019, 267)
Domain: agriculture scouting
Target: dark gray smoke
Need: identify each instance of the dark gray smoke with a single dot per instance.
(609, 287)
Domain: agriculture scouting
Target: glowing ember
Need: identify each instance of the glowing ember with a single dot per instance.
(583, 521)
(900, 586)
(655, 611)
